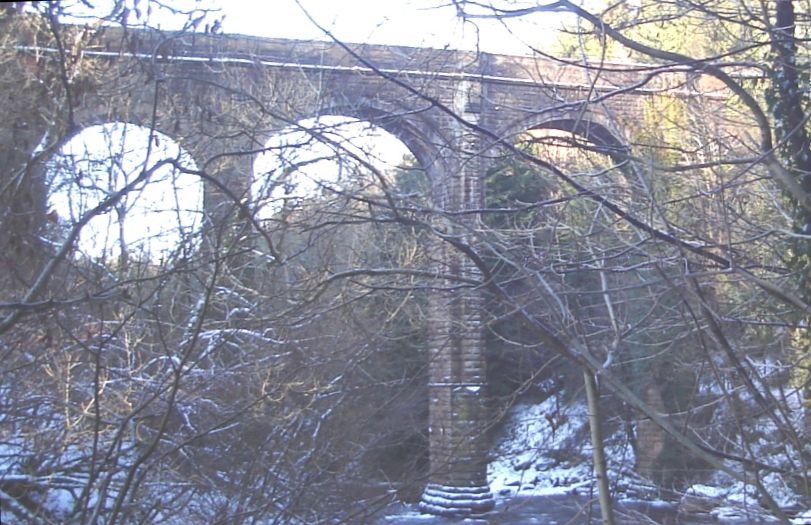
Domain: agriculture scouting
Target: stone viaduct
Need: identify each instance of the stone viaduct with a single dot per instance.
(221, 97)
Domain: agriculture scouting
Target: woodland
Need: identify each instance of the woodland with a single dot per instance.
(265, 360)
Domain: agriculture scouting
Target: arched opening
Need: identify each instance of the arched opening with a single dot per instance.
(599, 279)
(522, 194)
(323, 192)
(548, 244)
(323, 157)
(125, 187)
(539, 223)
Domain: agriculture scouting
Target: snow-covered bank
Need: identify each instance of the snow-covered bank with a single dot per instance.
(544, 449)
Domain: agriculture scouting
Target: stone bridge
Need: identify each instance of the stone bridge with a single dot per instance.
(221, 97)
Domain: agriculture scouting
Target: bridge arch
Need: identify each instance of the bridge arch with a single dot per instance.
(592, 126)
(418, 130)
(419, 133)
(99, 161)
(314, 154)
(122, 109)
(573, 137)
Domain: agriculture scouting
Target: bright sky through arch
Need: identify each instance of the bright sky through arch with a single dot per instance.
(296, 166)
(151, 220)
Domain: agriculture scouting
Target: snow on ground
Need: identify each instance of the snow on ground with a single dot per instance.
(540, 450)
(411, 516)
(804, 518)
(545, 449)
(726, 501)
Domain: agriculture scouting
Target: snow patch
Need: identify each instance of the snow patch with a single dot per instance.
(411, 516)
(776, 486)
(522, 461)
(60, 502)
(706, 491)
(544, 449)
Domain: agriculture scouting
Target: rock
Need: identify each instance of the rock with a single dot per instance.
(697, 504)
(522, 465)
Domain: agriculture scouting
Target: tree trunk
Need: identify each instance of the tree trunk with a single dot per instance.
(789, 113)
(598, 451)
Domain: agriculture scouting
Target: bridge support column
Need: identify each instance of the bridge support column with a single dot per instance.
(226, 162)
(457, 413)
(458, 478)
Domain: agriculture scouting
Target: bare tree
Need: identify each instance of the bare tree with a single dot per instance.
(699, 244)
(215, 381)
(208, 366)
